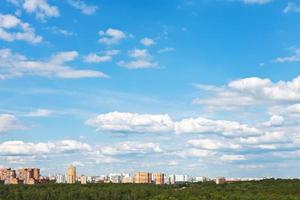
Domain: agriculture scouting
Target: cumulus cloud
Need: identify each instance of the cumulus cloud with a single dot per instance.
(14, 64)
(9, 122)
(203, 125)
(104, 57)
(266, 138)
(20, 148)
(125, 148)
(41, 8)
(275, 120)
(213, 144)
(197, 153)
(83, 7)
(252, 91)
(131, 123)
(12, 29)
(111, 36)
(147, 42)
(141, 60)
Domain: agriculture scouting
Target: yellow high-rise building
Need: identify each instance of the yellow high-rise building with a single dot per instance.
(142, 177)
(159, 178)
(71, 175)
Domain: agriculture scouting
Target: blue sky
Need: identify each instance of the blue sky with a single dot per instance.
(200, 87)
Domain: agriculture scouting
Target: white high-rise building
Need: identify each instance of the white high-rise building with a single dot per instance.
(177, 178)
(83, 179)
(115, 178)
(60, 178)
(200, 179)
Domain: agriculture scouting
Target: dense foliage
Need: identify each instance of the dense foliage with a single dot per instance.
(262, 190)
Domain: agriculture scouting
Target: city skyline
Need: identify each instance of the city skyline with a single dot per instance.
(193, 87)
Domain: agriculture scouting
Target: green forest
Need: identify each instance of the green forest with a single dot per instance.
(260, 190)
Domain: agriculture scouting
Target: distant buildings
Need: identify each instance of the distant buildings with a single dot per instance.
(200, 179)
(60, 179)
(126, 178)
(33, 176)
(83, 179)
(159, 178)
(220, 180)
(143, 177)
(23, 176)
(178, 179)
(71, 175)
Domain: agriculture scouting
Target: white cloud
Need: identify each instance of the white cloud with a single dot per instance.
(147, 42)
(130, 148)
(232, 157)
(252, 91)
(83, 7)
(142, 60)
(60, 31)
(291, 7)
(167, 49)
(131, 122)
(14, 64)
(138, 64)
(8, 122)
(139, 53)
(203, 125)
(105, 57)
(275, 120)
(12, 29)
(266, 138)
(41, 8)
(198, 153)
(293, 58)
(102, 159)
(40, 113)
(111, 36)
(251, 166)
(213, 144)
(94, 58)
(20, 148)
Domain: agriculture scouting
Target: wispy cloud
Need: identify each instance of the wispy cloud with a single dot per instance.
(14, 65)
(60, 31)
(142, 60)
(9, 122)
(83, 7)
(292, 7)
(40, 113)
(167, 49)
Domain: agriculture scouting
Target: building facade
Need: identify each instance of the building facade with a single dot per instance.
(159, 178)
(143, 177)
(71, 175)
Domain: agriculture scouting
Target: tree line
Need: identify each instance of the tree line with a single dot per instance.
(260, 190)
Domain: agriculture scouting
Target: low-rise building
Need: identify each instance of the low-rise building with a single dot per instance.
(220, 180)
